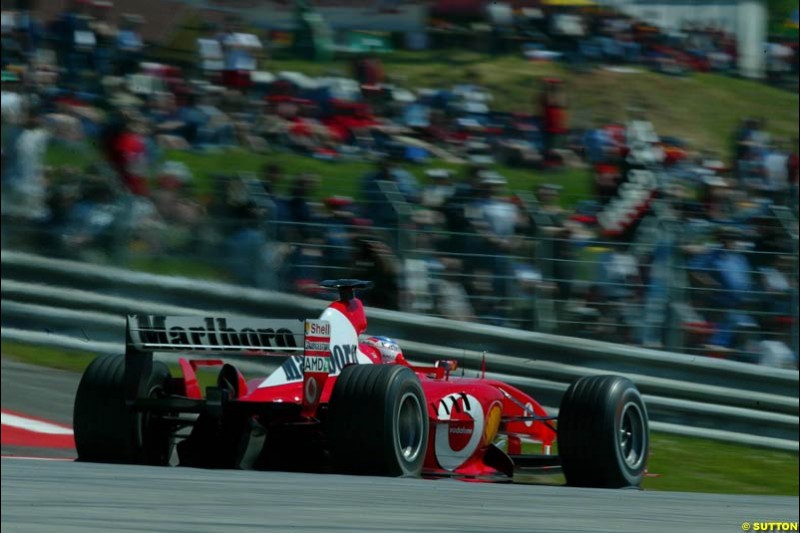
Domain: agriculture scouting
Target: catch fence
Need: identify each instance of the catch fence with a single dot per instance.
(656, 289)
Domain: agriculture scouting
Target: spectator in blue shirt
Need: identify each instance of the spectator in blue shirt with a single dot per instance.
(129, 44)
(596, 143)
(726, 272)
(377, 207)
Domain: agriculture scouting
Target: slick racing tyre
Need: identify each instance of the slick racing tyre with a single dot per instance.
(106, 431)
(378, 421)
(603, 435)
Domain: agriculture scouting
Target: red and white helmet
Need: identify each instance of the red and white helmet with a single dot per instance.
(388, 348)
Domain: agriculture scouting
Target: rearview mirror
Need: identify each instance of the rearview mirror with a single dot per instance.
(447, 364)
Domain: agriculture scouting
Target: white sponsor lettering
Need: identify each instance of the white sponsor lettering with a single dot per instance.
(317, 346)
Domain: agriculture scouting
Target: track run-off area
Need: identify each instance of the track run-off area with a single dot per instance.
(44, 490)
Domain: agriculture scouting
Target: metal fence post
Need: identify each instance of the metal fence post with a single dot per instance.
(402, 231)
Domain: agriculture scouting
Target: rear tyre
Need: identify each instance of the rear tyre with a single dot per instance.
(378, 421)
(106, 431)
(603, 435)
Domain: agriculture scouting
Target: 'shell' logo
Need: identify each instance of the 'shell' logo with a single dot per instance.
(318, 329)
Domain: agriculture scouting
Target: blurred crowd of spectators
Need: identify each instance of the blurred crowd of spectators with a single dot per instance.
(586, 37)
(616, 39)
(712, 257)
(456, 244)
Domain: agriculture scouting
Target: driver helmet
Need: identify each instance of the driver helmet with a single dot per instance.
(388, 348)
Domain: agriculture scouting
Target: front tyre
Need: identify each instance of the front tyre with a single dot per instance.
(106, 430)
(378, 421)
(603, 433)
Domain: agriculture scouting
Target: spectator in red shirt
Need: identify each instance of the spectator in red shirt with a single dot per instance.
(126, 150)
(368, 71)
(554, 114)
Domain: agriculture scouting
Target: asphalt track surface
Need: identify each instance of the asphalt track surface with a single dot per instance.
(40, 392)
(65, 496)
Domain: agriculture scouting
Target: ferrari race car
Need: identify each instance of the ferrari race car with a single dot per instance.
(334, 405)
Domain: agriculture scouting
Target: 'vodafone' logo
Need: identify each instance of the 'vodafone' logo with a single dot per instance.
(461, 429)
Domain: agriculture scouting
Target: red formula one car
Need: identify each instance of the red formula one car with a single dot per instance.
(336, 405)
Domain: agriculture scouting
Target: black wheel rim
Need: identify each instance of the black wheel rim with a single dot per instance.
(632, 435)
(409, 428)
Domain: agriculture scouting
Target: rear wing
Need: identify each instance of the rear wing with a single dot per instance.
(150, 333)
(146, 334)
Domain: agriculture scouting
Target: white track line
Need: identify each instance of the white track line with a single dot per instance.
(27, 458)
(29, 424)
